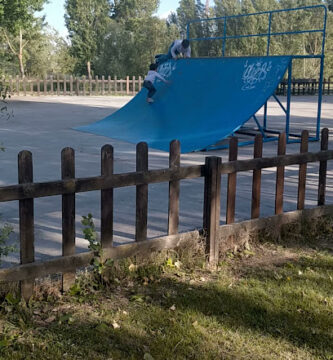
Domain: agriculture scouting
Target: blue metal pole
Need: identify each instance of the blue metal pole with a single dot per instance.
(265, 116)
(259, 35)
(261, 13)
(290, 70)
(267, 54)
(320, 96)
(279, 102)
(321, 78)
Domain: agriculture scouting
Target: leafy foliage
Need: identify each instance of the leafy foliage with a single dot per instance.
(90, 234)
(19, 25)
(121, 37)
(86, 23)
(128, 9)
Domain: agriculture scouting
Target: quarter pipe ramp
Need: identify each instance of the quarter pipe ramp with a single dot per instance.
(208, 100)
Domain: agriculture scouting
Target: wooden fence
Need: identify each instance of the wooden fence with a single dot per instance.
(69, 85)
(305, 87)
(27, 190)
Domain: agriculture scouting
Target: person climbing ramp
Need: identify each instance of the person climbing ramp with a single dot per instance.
(178, 47)
(149, 80)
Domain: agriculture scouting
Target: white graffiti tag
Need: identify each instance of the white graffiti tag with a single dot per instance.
(255, 73)
(167, 68)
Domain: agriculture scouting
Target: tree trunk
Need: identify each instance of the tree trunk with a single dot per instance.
(19, 52)
(207, 7)
(89, 68)
(304, 63)
(20, 55)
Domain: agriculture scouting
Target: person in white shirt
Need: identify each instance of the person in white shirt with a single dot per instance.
(178, 47)
(149, 80)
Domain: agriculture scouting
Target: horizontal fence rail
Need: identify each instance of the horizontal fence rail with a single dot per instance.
(305, 87)
(85, 86)
(212, 171)
(70, 85)
(61, 187)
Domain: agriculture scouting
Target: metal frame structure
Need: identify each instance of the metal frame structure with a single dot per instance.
(271, 135)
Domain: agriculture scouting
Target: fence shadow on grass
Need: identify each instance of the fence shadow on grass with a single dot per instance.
(261, 314)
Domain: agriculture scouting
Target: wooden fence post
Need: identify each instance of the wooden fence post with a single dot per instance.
(45, 86)
(96, 85)
(115, 84)
(140, 83)
(256, 182)
(232, 179)
(25, 86)
(103, 85)
(109, 84)
(212, 204)
(77, 86)
(174, 189)
(329, 86)
(90, 85)
(68, 215)
(84, 85)
(71, 85)
(18, 85)
(141, 194)
(279, 185)
(322, 169)
(127, 85)
(133, 85)
(58, 85)
(51, 82)
(10, 85)
(26, 213)
(302, 172)
(107, 198)
(65, 85)
(38, 87)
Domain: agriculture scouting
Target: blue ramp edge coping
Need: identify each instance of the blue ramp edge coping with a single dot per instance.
(208, 100)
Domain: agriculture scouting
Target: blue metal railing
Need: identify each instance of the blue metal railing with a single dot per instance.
(269, 34)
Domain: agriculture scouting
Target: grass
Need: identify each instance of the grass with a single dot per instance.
(267, 302)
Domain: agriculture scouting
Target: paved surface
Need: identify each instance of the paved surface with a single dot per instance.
(44, 126)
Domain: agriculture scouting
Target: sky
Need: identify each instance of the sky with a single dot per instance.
(54, 12)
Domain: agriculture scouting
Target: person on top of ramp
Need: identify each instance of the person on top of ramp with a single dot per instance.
(149, 80)
(178, 47)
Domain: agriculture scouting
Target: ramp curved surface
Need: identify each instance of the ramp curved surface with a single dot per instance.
(208, 99)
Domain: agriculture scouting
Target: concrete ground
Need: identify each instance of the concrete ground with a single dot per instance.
(44, 125)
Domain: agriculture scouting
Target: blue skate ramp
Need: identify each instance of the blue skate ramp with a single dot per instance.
(208, 99)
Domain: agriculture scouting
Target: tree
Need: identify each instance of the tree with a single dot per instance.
(186, 12)
(49, 53)
(330, 5)
(62, 60)
(227, 7)
(190, 10)
(19, 24)
(127, 9)
(133, 38)
(86, 21)
(207, 7)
